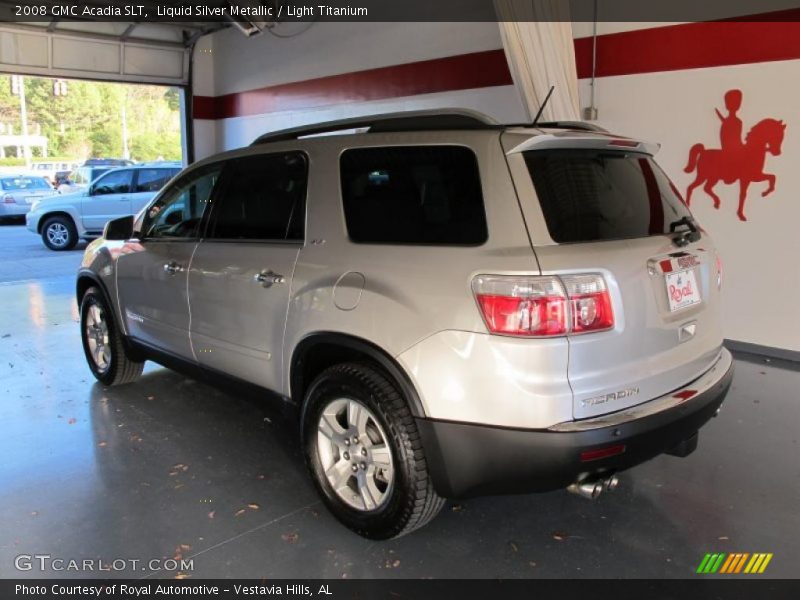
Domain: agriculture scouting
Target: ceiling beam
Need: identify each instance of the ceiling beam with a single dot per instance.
(128, 30)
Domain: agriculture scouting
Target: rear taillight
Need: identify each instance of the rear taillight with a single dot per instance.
(8, 199)
(543, 306)
(590, 303)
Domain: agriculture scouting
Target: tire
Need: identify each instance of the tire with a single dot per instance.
(59, 233)
(394, 502)
(110, 364)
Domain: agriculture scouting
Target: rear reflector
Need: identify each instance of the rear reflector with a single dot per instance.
(590, 455)
(685, 394)
(543, 306)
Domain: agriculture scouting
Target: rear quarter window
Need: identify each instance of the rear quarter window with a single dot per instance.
(413, 195)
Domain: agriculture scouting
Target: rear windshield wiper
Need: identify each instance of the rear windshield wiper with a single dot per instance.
(685, 238)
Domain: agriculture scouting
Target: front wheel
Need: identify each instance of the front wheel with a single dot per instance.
(59, 233)
(364, 452)
(102, 342)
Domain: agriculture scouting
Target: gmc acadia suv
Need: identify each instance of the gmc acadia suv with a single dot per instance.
(456, 307)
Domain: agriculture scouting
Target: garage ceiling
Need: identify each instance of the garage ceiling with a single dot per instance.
(133, 52)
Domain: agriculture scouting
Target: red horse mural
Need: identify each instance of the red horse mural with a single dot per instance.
(736, 160)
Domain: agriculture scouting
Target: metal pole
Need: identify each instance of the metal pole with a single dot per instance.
(126, 153)
(592, 112)
(23, 111)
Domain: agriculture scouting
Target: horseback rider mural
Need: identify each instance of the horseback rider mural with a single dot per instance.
(736, 160)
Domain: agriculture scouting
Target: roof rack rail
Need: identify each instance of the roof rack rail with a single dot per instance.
(420, 120)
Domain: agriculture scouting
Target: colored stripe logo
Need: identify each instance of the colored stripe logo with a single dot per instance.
(734, 563)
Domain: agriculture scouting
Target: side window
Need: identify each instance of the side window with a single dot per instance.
(152, 180)
(177, 212)
(413, 195)
(117, 182)
(262, 198)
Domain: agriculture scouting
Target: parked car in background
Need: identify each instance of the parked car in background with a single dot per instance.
(64, 219)
(455, 307)
(50, 169)
(20, 192)
(61, 178)
(83, 176)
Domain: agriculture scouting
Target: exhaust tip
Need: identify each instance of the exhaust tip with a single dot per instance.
(592, 488)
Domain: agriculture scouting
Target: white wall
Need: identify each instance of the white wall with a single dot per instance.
(674, 108)
(205, 131)
(761, 276)
(241, 64)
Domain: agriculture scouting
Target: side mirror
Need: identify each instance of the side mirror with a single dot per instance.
(119, 229)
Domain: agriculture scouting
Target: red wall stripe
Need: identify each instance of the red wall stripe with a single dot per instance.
(670, 48)
(466, 71)
(690, 46)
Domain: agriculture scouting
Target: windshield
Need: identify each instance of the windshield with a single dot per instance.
(25, 183)
(591, 195)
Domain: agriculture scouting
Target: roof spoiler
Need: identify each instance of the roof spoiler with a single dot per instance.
(595, 141)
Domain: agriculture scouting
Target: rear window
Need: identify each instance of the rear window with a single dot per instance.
(413, 195)
(152, 180)
(25, 183)
(593, 195)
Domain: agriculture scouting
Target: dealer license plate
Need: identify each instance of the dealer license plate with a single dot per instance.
(682, 290)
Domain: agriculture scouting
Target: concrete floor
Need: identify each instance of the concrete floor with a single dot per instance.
(169, 466)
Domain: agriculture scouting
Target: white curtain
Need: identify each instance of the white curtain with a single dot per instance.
(537, 38)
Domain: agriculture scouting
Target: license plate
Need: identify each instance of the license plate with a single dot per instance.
(682, 290)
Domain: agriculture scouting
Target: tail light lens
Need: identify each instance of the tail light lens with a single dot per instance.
(590, 303)
(543, 306)
(8, 199)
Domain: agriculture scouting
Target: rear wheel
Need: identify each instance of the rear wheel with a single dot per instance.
(59, 233)
(102, 342)
(364, 452)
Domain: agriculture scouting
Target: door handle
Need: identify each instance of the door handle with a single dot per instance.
(172, 268)
(268, 278)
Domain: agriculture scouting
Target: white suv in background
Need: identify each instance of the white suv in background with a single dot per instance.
(63, 220)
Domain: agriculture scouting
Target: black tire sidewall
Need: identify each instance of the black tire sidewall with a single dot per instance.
(94, 296)
(385, 521)
(72, 240)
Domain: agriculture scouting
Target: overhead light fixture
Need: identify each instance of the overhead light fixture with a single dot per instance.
(251, 17)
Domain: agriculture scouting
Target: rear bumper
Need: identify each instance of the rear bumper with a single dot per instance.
(14, 210)
(468, 460)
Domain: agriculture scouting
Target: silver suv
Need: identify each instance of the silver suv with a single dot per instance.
(456, 307)
(64, 219)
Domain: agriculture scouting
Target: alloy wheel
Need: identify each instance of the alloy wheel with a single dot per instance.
(355, 454)
(57, 234)
(96, 331)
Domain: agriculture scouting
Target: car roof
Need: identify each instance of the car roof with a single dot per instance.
(452, 119)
